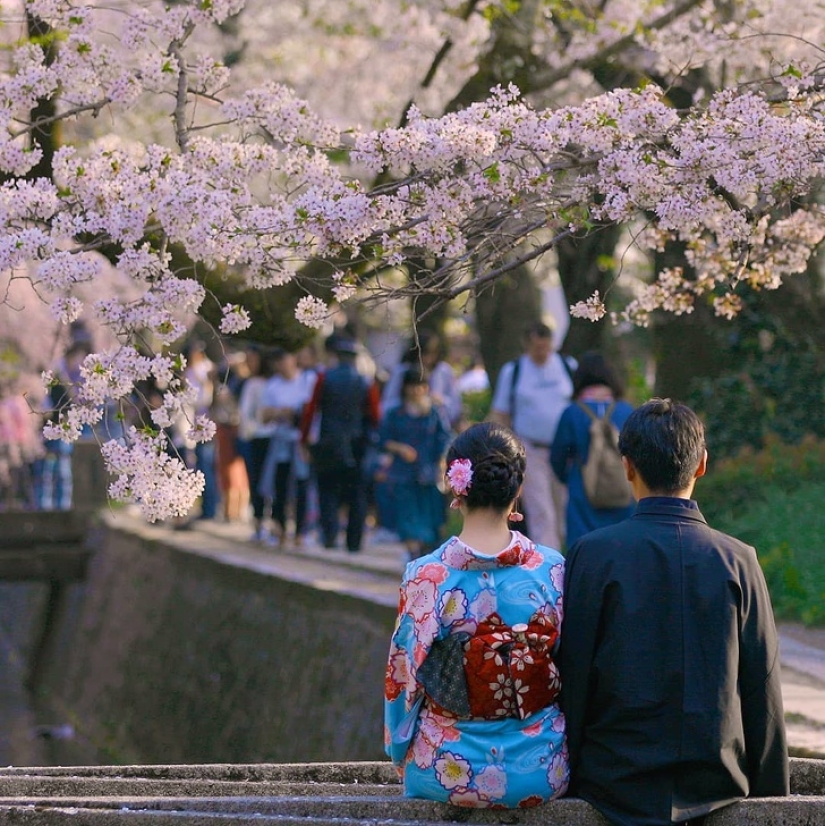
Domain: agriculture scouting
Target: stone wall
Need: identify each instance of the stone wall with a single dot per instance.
(166, 655)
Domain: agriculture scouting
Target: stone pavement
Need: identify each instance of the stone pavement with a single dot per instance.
(378, 567)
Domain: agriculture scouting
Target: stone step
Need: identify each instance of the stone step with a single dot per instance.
(57, 787)
(337, 810)
(379, 772)
(333, 794)
(807, 774)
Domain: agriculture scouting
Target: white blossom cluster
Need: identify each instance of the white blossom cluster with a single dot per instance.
(253, 178)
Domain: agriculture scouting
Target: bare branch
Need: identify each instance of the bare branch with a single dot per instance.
(95, 108)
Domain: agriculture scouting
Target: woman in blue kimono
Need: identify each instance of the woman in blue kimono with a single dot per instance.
(416, 434)
(471, 712)
(596, 386)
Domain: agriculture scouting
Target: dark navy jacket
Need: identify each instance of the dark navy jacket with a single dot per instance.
(670, 669)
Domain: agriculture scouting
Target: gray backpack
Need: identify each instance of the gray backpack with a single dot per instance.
(603, 473)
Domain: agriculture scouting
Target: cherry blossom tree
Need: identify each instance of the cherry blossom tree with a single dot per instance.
(246, 173)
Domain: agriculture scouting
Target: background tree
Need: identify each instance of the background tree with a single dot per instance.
(167, 150)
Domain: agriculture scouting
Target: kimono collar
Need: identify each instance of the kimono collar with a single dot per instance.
(520, 551)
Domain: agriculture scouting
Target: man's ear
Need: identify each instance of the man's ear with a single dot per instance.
(702, 466)
(629, 469)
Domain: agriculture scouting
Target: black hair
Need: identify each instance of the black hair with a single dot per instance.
(538, 329)
(269, 355)
(594, 369)
(425, 341)
(665, 441)
(498, 463)
(413, 375)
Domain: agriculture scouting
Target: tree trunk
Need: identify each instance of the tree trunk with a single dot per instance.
(502, 313)
(586, 265)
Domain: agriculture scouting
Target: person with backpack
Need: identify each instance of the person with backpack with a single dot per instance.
(585, 454)
(531, 393)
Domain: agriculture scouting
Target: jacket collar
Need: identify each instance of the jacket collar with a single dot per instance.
(669, 506)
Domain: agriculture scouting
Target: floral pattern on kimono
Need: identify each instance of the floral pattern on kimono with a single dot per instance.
(507, 762)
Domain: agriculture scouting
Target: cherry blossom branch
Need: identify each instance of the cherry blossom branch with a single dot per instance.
(94, 108)
(549, 77)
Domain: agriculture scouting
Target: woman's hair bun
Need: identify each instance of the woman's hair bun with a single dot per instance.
(497, 457)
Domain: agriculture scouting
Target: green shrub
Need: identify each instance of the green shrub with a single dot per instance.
(475, 406)
(734, 485)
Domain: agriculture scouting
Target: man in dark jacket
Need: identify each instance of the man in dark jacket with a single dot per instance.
(669, 654)
(348, 407)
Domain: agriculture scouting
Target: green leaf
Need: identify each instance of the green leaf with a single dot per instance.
(492, 174)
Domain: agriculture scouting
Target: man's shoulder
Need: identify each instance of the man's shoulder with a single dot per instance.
(694, 531)
(730, 543)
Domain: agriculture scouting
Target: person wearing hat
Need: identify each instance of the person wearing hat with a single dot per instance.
(345, 406)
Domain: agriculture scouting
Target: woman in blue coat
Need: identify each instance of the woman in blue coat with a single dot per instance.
(415, 435)
(595, 385)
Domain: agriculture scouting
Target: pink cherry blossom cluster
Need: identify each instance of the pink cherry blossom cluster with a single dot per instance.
(166, 145)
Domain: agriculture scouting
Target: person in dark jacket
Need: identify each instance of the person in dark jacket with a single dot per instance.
(597, 387)
(669, 654)
(346, 406)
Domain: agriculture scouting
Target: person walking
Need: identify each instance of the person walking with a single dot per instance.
(345, 406)
(531, 394)
(669, 652)
(253, 437)
(285, 475)
(597, 392)
(471, 715)
(415, 435)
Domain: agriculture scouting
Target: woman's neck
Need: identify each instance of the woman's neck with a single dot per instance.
(486, 531)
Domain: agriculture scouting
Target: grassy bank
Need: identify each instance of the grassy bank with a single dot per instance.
(775, 501)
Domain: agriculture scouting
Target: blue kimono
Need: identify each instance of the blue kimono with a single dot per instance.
(510, 761)
(567, 455)
(418, 502)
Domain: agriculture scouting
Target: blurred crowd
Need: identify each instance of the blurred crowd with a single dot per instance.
(299, 440)
(320, 444)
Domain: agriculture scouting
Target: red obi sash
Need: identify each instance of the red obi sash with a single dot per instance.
(500, 671)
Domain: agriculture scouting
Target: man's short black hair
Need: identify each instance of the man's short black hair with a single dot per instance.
(665, 441)
(538, 329)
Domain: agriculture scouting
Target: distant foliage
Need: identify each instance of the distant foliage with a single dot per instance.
(772, 499)
(772, 384)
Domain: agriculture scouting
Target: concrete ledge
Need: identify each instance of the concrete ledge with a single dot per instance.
(315, 793)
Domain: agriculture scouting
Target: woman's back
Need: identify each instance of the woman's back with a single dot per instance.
(505, 610)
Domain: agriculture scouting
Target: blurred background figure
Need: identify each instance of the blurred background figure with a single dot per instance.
(531, 393)
(20, 444)
(53, 472)
(415, 435)
(200, 374)
(233, 483)
(285, 475)
(596, 386)
(428, 353)
(337, 427)
(253, 436)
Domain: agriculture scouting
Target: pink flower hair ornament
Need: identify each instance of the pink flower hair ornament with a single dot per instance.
(460, 476)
